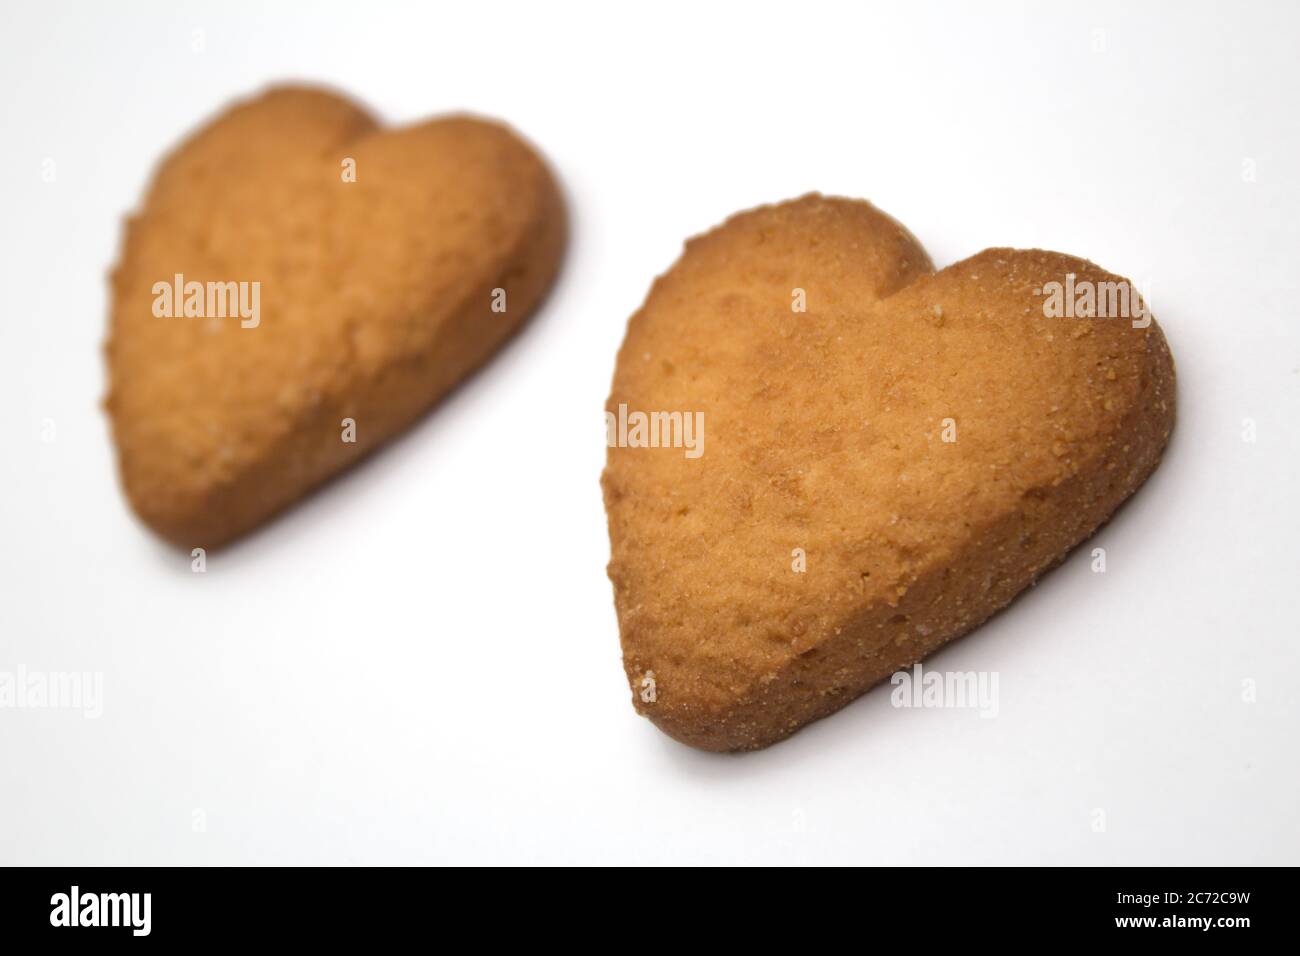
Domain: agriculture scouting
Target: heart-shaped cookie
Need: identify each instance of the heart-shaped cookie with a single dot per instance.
(828, 459)
(299, 286)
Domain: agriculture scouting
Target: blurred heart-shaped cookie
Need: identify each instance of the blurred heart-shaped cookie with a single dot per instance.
(298, 286)
(828, 459)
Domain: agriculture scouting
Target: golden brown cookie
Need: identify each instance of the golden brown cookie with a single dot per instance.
(299, 286)
(849, 487)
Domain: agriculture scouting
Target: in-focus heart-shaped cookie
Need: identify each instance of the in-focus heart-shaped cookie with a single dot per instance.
(828, 459)
(299, 286)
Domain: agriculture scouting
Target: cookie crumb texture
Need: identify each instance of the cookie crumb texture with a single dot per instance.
(376, 297)
(825, 433)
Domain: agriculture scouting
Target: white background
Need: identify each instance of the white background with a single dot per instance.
(421, 663)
